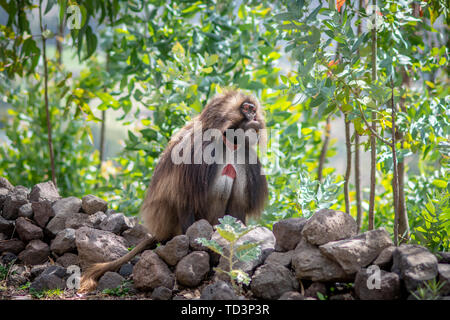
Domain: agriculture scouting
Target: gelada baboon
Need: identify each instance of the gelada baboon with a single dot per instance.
(182, 192)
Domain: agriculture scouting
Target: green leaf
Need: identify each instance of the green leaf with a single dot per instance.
(210, 244)
(248, 251)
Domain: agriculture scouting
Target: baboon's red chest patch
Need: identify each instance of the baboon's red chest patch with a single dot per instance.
(229, 171)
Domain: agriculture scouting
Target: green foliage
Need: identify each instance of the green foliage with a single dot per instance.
(5, 270)
(231, 230)
(430, 290)
(50, 293)
(120, 291)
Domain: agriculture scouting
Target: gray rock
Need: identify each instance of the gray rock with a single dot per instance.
(4, 183)
(64, 242)
(96, 219)
(47, 282)
(44, 191)
(444, 277)
(135, 235)
(42, 212)
(6, 226)
(26, 211)
(3, 236)
(37, 269)
(8, 257)
(260, 235)
(342, 296)
(359, 251)
(443, 257)
(329, 225)
(92, 204)
(309, 263)
(28, 231)
(3, 194)
(58, 223)
(288, 233)
(18, 275)
(151, 272)
(199, 229)
(174, 250)
(161, 293)
(193, 268)
(36, 252)
(77, 220)
(415, 265)
(283, 258)
(219, 290)
(367, 289)
(98, 246)
(271, 281)
(126, 270)
(315, 288)
(384, 259)
(12, 203)
(12, 245)
(291, 295)
(110, 280)
(115, 223)
(58, 271)
(66, 206)
(68, 259)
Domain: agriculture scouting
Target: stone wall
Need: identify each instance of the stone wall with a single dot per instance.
(322, 257)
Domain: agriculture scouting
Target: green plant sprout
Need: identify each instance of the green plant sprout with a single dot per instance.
(430, 290)
(232, 231)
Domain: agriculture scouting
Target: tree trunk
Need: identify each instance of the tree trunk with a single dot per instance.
(323, 151)
(348, 147)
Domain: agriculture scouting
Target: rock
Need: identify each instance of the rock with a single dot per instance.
(44, 191)
(283, 258)
(3, 194)
(36, 252)
(115, 223)
(47, 282)
(443, 257)
(389, 285)
(77, 220)
(309, 263)
(193, 268)
(415, 265)
(58, 223)
(4, 183)
(18, 275)
(68, 259)
(3, 236)
(64, 242)
(174, 250)
(199, 229)
(98, 246)
(359, 251)
(6, 227)
(27, 231)
(13, 245)
(8, 257)
(96, 219)
(58, 271)
(66, 206)
(110, 280)
(26, 211)
(161, 293)
(42, 211)
(315, 288)
(12, 203)
(288, 233)
(444, 277)
(260, 235)
(384, 259)
(126, 270)
(292, 295)
(135, 235)
(219, 290)
(151, 272)
(271, 281)
(343, 296)
(329, 225)
(92, 204)
(37, 270)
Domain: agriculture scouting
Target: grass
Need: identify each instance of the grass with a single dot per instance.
(120, 291)
(51, 293)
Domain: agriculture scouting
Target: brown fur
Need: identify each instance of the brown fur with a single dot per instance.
(178, 193)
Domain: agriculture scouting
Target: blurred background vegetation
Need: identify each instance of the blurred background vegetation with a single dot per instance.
(93, 107)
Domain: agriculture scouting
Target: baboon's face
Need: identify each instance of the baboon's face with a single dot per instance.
(247, 121)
